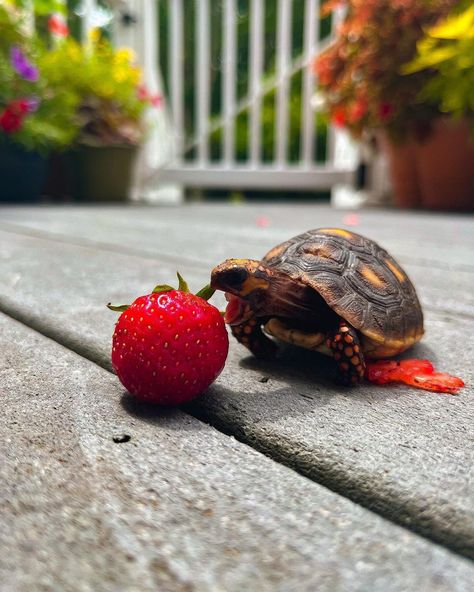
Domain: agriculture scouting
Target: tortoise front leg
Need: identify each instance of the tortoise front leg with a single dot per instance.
(345, 345)
(251, 335)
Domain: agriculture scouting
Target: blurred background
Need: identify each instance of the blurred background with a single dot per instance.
(360, 103)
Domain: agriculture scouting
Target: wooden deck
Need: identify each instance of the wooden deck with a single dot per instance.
(276, 479)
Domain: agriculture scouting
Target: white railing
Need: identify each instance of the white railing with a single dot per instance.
(184, 155)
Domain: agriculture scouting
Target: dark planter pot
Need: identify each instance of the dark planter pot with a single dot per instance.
(103, 173)
(436, 172)
(22, 174)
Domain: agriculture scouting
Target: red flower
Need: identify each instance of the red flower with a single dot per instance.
(338, 117)
(357, 110)
(385, 111)
(142, 92)
(330, 5)
(19, 106)
(323, 70)
(57, 26)
(156, 100)
(10, 120)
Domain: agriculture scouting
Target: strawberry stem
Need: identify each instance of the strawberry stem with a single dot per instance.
(206, 292)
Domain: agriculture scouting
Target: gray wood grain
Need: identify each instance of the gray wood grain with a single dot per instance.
(436, 252)
(429, 239)
(404, 453)
(177, 507)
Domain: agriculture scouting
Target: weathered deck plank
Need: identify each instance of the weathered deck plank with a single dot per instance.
(435, 252)
(401, 452)
(424, 238)
(178, 507)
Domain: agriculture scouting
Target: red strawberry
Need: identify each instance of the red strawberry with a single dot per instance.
(170, 345)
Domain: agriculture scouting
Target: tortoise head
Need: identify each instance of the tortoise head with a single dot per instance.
(244, 282)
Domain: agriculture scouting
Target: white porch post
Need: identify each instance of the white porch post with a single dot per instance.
(89, 7)
(343, 152)
(159, 147)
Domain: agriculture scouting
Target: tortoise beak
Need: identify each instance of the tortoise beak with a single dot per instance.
(237, 311)
(229, 276)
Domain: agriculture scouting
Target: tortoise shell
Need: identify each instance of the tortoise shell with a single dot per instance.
(358, 279)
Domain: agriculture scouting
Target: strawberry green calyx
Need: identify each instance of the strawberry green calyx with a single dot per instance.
(205, 293)
(183, 286)
(162, 288)
(118, 308)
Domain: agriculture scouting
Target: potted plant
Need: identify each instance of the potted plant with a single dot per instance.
(446, 159)
(34, 119)
(111, 104)
(364, 89)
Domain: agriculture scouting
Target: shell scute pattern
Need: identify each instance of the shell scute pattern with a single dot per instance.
(358, 279)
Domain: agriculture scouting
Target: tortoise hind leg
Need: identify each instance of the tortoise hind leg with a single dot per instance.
(345, 345)
(251, 335)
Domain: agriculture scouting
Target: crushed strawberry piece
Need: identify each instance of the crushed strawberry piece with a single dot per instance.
(418, 373)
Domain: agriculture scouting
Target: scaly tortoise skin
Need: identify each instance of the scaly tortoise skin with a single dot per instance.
(329, 290)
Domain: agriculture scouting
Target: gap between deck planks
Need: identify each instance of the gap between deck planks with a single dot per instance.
(432, 259)
(423, 523)
(178, 506)
(411, 236)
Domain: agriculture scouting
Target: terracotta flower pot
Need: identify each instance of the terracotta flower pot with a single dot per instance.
(446, 166)
(401, 159)
(436, 172)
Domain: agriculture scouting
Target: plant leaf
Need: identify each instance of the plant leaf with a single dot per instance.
(435, 57)
(183, 286)
(162, 288)
(118, 308)
(460, 26)
(206, 292)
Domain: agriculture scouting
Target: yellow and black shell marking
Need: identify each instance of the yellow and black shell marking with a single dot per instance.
(358, 280)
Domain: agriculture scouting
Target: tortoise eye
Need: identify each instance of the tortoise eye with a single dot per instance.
(234, 277)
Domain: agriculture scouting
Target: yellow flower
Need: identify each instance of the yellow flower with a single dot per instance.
(73, 51)
(94, 35)
(124, 55)
(120, 74)
(135, 76)
(105, 90)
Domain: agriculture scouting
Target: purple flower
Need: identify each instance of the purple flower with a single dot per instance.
(22, 65)
(33, 104)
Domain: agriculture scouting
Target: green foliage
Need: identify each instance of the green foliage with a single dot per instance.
(105, 85)
(48, 127)
(11, 30)
(41, 7)
(80, 93)
(447, 52)
(360, 72)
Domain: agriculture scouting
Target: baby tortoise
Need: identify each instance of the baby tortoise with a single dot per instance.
(328, 290)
